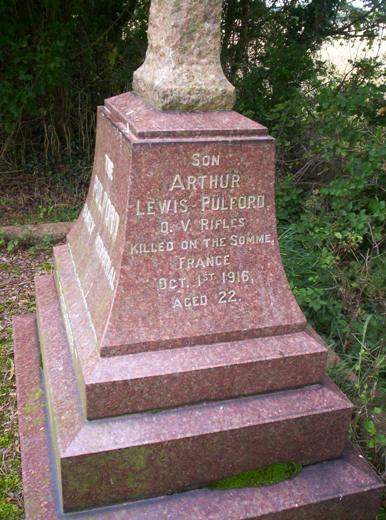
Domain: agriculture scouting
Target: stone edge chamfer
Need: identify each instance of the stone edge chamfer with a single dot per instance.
(137, 118)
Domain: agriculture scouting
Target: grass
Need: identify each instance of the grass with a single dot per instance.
(32, 197)
(19, 263)
(10, 477)
(40, 214)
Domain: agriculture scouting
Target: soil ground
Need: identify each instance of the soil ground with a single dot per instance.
(18, 267)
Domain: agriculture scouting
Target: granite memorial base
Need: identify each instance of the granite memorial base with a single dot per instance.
(341, 489)
(139, 455)
(173, 351)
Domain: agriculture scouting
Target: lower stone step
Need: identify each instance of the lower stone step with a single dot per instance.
(149, 454)
(341, 489)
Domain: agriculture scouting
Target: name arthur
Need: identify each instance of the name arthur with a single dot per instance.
(205, 202)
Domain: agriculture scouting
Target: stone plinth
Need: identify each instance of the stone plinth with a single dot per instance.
(171, 377)
(176, 229)
(341, 489)
(139, 455)
(179, 225)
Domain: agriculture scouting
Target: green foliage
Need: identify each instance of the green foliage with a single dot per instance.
(32, 243)
(9, 511)
(12, 245)
(269, 48)
(332, 213)
(381, 514)
(271, 474)
(57, 63)
(366, 386)
(333, 230)
(60, 59)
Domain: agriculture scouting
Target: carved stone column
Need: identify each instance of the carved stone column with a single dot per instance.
(182, 70)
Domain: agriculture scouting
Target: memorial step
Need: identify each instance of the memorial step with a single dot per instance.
(342, 489)
(149, 454)
(172, 377)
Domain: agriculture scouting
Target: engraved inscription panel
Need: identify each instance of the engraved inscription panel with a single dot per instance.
(96, 241)
(208, 213)
(176, 244)
(201, 258)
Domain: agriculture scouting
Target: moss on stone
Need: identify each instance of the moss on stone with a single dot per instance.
(265, 476)
(137, 457)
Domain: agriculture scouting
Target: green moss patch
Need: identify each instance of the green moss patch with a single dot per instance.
(265, 476)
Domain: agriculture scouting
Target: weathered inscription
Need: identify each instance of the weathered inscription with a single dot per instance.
(102, 205)
(199, 159)
(151, 247)
(205, 182)
(215, 224)
(106, 208)
(161, 207)
(202, 262)
(105, 260)
(206, 203)
(109, 167)
(88, 219)
(197, 300)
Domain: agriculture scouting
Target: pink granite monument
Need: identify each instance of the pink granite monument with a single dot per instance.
(174, 353)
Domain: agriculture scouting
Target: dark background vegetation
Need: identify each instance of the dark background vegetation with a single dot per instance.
(60, 59)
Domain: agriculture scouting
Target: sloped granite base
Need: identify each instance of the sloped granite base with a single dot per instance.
(174, 377)
(341, 489)
(148, 454)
